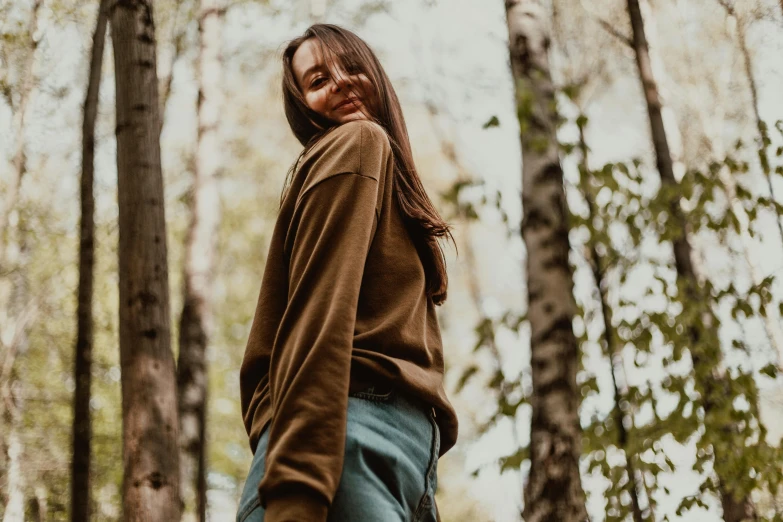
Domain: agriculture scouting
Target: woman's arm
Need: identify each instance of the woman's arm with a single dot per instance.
(328, 239)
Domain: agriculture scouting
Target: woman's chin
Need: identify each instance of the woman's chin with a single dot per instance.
(351, 116)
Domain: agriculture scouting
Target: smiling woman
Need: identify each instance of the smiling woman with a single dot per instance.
(342, 380)
(331, 92)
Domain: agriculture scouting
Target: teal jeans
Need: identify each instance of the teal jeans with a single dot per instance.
(390, 466)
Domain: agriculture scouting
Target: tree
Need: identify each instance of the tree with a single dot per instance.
(82, 368)
(149, 398)
(199, 266)
(554, 489)
(710, 379)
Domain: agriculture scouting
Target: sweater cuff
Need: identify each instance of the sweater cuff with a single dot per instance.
(295, 507)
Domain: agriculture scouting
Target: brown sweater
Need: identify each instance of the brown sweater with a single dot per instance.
(342, 305)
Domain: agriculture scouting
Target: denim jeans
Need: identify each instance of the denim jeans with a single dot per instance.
(390, 466)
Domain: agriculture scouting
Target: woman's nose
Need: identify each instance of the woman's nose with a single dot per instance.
(342, 80)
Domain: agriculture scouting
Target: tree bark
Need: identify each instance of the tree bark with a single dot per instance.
(705, 346)
(554, 489)
(199, 265)
(149, 395)
(81, 429)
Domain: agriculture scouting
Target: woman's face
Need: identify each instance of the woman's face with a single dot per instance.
(337, 97)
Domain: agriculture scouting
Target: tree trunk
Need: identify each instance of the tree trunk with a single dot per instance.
(611, 348)
(705, 352)
(198, 270)
(82, 430)
(149, 395)
(554, 489)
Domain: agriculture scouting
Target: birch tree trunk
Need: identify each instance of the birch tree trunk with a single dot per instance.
(199, 265)
(82, 430)
(554, 490)
(705, 346)
(149, 395)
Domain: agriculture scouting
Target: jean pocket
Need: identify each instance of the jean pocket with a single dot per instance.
(375, 393)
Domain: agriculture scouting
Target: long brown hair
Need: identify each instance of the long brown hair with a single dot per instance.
(422, 220)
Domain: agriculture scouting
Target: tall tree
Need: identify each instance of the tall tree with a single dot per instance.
(554, 488)
(149, 395)
(82, 369)
(710, 378)
(199, 266)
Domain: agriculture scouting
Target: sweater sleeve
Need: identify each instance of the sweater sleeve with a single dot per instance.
(329, 237)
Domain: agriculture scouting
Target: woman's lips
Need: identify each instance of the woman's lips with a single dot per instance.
(347, 103)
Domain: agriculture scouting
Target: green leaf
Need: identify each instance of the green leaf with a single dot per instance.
(770, 370)
(492, 122)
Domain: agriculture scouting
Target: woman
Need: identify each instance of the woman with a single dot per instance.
(342, 379)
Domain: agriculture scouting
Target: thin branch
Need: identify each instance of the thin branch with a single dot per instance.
(608, 27)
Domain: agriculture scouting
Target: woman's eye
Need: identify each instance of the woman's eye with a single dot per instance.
(316, 81)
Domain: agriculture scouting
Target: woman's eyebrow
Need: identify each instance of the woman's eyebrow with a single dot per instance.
(312, 69)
